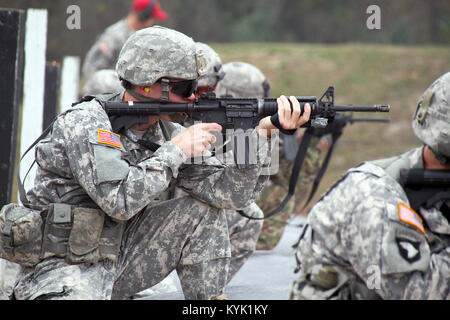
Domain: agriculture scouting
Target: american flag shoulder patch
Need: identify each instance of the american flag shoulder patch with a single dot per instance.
(110, 138)
(409, 216)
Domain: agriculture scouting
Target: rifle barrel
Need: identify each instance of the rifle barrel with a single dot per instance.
(374, 108)
(136, 108)
(370, 120)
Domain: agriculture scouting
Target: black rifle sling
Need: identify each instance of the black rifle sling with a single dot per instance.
(167, 129)
(298, 163)
(323, 168)
(148, 144)
(20, 186)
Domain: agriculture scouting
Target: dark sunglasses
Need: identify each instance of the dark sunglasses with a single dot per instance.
(183, 88)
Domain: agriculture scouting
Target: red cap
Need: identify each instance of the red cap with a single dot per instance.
(157, 12)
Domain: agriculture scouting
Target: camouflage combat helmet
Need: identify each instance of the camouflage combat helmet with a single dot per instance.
(214, 70)
(156, 53)
(243, 80)
(102, 81)
(431, 122)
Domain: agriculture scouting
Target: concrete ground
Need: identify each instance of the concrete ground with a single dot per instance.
(267, 275)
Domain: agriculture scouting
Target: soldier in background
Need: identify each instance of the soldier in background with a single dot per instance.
(102, 81)
(105, 51)
(243, 80)
(208, 82)
(372, 236)
(277, 188)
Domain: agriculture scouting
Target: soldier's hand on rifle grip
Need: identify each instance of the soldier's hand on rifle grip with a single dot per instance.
(196, 139)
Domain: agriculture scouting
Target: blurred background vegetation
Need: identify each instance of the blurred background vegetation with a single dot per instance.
(310, 21)
(302, 46)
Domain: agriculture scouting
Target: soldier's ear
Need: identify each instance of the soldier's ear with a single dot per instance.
(145, 89)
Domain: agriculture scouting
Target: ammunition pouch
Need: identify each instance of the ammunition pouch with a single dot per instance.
(80, 235)
(20, 234)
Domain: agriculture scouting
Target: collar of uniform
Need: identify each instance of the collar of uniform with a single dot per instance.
(120, 95)
(416, 158)
(153, 134)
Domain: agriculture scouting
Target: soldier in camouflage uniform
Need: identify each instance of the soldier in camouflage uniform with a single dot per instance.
(104, 52)
(214, 70)
(102, 81)
(120, 215)
(243, 232)
(243, 80)
(363, 241)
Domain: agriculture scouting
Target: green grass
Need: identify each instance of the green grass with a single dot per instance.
(361, 74)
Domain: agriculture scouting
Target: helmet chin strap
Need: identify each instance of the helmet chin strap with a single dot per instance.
(165, 89)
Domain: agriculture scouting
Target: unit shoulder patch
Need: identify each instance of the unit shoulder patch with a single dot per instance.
(409, 216)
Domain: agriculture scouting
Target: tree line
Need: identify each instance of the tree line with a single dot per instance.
(311, 21)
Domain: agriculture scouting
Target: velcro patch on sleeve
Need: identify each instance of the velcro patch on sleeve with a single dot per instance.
(409, 216)
(110, 138)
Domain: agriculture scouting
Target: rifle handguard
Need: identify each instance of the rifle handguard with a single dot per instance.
(276, 122)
